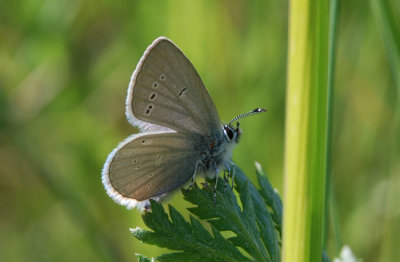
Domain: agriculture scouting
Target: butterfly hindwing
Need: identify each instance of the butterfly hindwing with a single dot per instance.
(149, 165)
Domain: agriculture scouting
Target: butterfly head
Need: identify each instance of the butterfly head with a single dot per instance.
(231, 133)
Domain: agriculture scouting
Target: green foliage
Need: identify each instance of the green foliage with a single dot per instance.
(256, 223)
(250, 221)
(271, 197)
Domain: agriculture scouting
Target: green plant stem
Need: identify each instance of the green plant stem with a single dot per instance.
(329, 201)
(306, 131)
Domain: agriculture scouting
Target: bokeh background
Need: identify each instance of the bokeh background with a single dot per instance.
(64, 71)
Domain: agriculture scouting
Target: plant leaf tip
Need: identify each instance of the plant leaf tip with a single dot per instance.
(258, 166)
(134, 230)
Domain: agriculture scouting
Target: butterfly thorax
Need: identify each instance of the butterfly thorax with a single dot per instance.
(218, 153)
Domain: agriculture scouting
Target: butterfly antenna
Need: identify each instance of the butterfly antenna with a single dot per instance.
(252, 112)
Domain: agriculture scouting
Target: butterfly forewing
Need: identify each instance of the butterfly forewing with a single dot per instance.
(167, 91)
(150, 165)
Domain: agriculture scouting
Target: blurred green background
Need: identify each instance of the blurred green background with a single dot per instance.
(65, 68)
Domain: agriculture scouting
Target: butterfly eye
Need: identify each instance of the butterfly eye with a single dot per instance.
(229, 133)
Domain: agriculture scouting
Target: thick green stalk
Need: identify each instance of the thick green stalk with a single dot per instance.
(306, 131)
(330, 194)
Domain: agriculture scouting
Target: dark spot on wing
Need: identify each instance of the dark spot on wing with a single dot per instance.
(153, 96)
(182, 91)
(162, 77)
(148, 110)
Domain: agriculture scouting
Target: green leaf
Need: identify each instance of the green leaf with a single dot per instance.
(263, 216)
(227, 215)
(270, 196)
(195, 242)
(256, 230)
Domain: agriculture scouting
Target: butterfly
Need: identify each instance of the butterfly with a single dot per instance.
(181, 132)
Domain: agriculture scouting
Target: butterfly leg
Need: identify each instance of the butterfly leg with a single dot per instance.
(193, 178)
(233, 175)
(226, 180)
(147, 206)
(215, 189)
(227, 169)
